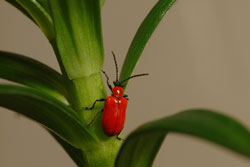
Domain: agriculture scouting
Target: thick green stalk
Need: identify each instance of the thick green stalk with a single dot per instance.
(88, 89)
(105, 154)
(79, 50)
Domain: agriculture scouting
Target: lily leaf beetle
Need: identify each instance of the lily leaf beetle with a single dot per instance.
(114, 111)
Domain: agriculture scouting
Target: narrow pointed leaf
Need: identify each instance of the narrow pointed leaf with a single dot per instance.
(141, 146)
(45, 5)
(142, 36)
(75, 154)
(32, 73)
(78, 36)
(49, 112)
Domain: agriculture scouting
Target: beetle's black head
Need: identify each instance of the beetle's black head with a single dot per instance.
(118, 83)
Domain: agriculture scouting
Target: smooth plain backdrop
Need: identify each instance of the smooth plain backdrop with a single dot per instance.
(199, 57)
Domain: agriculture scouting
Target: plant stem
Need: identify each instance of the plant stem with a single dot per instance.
(79, 50)
(88, 89)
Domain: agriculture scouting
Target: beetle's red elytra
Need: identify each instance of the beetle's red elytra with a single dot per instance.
(114, 111)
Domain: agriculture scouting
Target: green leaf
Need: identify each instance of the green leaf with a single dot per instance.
(141, 146)
(40, 15)
(49, 112)
(75, 154)
(32, 73)
(142, 36)
(78, 36)
(45, 5)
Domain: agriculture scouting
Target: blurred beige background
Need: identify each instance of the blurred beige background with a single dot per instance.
(198, 57)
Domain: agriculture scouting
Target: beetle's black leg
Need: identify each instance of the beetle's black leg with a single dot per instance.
(110, 87)
(125, 96)
(117, 136)
(93, 106)
(91, 122)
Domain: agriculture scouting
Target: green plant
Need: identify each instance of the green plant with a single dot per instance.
(73, 27)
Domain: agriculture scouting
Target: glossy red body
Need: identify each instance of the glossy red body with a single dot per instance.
(114, 112)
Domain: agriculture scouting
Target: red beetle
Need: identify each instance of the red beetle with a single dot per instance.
(114, 111)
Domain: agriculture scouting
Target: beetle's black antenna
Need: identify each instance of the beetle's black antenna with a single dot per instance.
(116, 66)
(138, 75)
(107, 77)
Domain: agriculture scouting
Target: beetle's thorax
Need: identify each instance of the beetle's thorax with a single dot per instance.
(117, 91)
